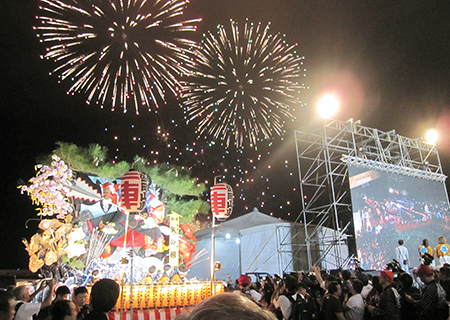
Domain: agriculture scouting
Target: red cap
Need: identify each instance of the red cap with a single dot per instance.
(387, 274)
(244, 279)
(424, 270)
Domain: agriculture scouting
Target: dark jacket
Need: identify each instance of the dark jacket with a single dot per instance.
(432, 305)
(389, 306)
(95, 315)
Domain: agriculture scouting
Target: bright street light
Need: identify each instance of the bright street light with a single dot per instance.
(327, 106)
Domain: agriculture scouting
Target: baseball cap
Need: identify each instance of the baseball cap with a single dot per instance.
(387, 274)
(424, 270)
(244, 279)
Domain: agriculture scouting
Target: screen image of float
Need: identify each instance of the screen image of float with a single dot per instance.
(388, 207)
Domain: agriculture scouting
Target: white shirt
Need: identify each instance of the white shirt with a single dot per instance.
(356, 308)
(402, 254)
(365, 290)
(286, 305)
(27, 310)
(253, 294)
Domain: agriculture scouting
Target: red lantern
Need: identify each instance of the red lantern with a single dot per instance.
(133, 189)
(221, 200)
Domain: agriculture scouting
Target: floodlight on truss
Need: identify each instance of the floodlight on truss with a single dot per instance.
(393, 168)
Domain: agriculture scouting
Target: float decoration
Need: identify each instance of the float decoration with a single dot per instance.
(59, 241)
(174, 239)
(49, 189)
(133, 192)
(98, 229)
(221, 200)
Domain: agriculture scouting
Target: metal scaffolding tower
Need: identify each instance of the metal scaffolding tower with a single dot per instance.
(323, 154)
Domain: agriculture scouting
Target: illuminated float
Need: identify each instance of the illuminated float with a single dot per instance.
(113, 229)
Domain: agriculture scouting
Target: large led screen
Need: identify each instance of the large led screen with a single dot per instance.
(388, 207)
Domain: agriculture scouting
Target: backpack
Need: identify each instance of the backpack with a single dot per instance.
(442, 305)
(18, 305)
(301, 309)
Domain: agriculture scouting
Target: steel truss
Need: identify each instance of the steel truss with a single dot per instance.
(323, 155)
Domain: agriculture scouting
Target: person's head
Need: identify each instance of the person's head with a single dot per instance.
(444, 274)
(63, 310)
(328, 279)
(80, 296)
(357, 287)
(62, 293)
(335, 288)
(226, 306)
(400, 242)
(302, 288)
(363, 277)
(244, 281)
(376, 283)
(425, 242)
(22, 293)
(345, 275)
(386, 277)
(7, 305)
(425, 273)
(104, 294)
(405, 280)
(290, 283)
(441, 240)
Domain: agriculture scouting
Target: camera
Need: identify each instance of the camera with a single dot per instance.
(394, 266)
(427, 259)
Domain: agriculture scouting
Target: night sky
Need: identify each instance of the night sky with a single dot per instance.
(387, 61)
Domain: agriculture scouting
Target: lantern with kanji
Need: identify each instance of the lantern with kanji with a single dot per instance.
(221, 200)
(133, 191)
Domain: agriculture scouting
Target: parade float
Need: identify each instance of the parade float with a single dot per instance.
(116, 227)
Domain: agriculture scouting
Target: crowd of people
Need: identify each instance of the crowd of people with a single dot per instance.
(60, 304)
(396, 293)
(347, 295)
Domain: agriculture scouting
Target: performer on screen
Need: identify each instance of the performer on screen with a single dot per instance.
(443, 251)
(425, 248)
(402, 256)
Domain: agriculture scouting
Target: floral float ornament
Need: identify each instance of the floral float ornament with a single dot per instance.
(58, 240)
(50, 189)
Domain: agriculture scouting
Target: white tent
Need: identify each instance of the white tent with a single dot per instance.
(254, 242)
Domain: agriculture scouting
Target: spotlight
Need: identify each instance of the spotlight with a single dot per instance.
(431, 136)
(327, 106)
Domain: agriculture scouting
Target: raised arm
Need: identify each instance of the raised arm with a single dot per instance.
(48, 299)
(316, 270)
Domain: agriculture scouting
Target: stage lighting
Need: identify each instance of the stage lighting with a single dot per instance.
(327, 106)
(431, 136)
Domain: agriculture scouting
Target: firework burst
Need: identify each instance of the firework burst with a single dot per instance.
(244, 84)
(120, 53)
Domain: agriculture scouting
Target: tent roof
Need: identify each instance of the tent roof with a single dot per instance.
(249, 220)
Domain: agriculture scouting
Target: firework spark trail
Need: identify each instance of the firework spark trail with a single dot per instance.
(245, 81)
(119, 52)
